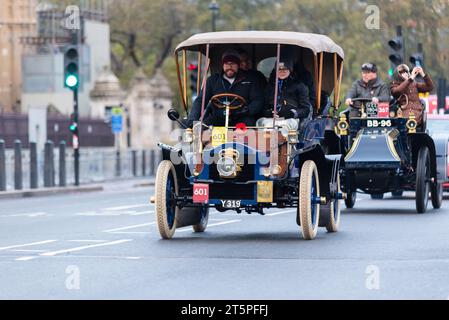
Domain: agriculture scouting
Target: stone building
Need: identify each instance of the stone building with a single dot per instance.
(147, 102)
(17, 20)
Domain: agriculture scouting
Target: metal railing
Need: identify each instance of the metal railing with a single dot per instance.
(30, 169)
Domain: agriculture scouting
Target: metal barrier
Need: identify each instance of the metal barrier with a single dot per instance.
(30, 168)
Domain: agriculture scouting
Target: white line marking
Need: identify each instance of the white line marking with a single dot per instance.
(280, 212)
(130, 227)
(25, 258)
(210, 225)
(24, 250)
(54, 253)
(130, 232)
(125, 207)
(30, 215)
(87, 240)
(27, 244)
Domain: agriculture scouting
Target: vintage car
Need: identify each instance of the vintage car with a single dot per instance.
(385, 152)
(278, 163)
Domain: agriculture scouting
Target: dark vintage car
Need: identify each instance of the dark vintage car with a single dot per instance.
(278, 163)
(385, 152)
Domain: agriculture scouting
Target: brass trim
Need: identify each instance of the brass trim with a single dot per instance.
(390, 142)
(354, 146)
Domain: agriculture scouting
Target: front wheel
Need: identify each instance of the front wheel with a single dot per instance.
(350, 199)
(166, 187)
(422, 180)
(330, 213)
(436, 193)
(202, 225)
(308, 204)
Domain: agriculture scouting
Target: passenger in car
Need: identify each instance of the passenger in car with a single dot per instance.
(293, 97)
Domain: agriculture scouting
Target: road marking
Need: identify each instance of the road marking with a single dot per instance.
(125, 207)
(280, 212)
(54, 253)
(142, 212)
(24, 250)
(30, 215)
(87, 240)
(27, 244)
(130, 227)
(210, 225)
(25, 258)
(130, 232)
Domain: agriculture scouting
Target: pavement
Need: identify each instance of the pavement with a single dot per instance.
(92, 187)
(105, 245)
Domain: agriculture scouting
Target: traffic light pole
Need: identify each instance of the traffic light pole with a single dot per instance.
(75, 138)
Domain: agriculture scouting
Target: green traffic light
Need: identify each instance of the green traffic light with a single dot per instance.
(71, 81)
(72, 127)
(390, 72)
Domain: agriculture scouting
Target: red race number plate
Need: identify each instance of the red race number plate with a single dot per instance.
(200, 193)
(383, 110)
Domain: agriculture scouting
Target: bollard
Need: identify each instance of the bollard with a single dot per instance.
(49, 177)
(62, 168)
(18, 184)
(33, 166)
(118, 172)
(2, 166)
(152, 162)
(134, 158)
(144, 165)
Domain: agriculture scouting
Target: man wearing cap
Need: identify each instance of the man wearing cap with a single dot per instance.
(230, 80)
(292, 100)
(370, 86)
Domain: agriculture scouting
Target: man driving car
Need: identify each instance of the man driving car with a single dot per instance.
(370, 87)
(230, 80)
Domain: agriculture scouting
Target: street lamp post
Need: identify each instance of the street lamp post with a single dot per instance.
(214, 7)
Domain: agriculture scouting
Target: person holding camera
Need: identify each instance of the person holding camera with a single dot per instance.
(405, 89)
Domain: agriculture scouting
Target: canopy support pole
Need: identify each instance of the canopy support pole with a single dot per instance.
(320, 78)
(278, 55)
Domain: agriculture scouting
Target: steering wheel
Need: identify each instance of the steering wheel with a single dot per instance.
(233, 101)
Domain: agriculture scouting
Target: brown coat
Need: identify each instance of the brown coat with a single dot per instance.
(406, 92)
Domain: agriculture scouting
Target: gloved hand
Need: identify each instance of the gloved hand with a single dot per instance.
(243, 111)
(287, 112)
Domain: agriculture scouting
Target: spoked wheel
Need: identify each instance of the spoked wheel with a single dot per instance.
(350, 199)
(330, 213)
(436, 193)
(166, 190)
(422, 180)
(377, 196)
(202, 225)
(308, 205)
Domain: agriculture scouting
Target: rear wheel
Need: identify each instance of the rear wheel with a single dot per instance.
(166, 187)
(202, 225)
(397, 194)
(334, 212)
(436, 193)
(350, 199)
(422, 180)
(377, 196)
(308, 205)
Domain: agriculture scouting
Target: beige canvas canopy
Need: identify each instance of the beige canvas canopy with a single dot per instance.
(315, 42)
(319, 54)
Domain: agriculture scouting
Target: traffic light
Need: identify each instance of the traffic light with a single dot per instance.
(417, 59)
(193, 68)
(397, 49)
(73, 127)
(71, 67)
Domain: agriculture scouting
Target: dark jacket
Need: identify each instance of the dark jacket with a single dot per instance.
(244, 85)
(406, 92)
(374, 88)
(293, 99)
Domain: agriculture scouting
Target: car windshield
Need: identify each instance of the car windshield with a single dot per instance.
(438, 126)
